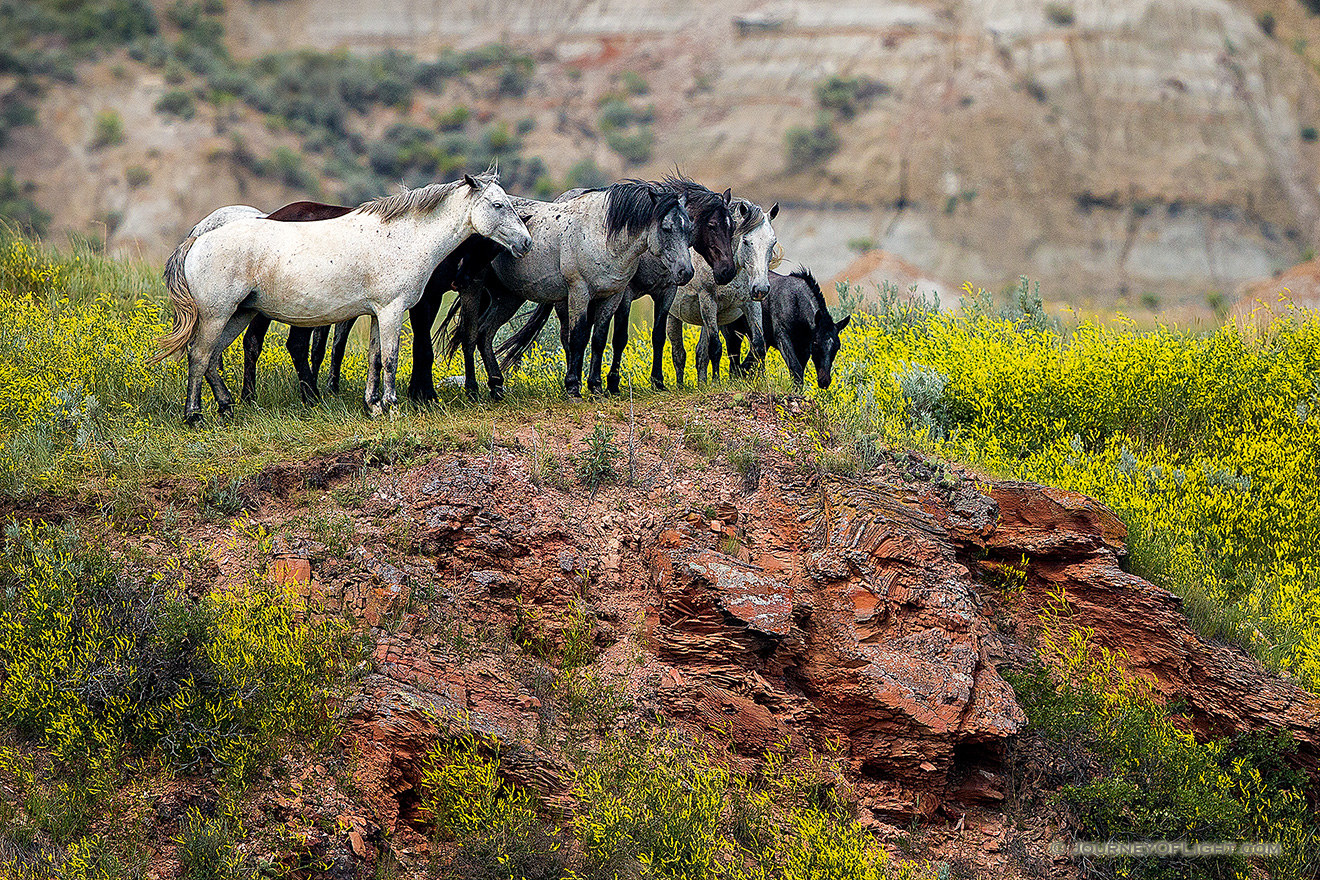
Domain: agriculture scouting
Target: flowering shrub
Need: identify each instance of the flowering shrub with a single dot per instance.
(93, 666)
(1206, 446)
(657, 807)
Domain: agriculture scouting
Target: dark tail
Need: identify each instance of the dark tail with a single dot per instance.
(185, 307)
(516, 345)
(449, 345)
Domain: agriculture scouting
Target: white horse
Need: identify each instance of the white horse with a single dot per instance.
(228, 214)
(373, 261)
(588, 245)
(708, 305)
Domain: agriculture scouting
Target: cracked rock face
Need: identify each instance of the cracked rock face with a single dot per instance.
(848, 616)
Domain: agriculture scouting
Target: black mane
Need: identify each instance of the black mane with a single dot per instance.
(701, 202)
(633, 205)
(805, 274)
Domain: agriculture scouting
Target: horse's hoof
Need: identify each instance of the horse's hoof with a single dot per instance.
(193, 420)
(473, 393)
(658, 385)
(497, 393)
(423, 396)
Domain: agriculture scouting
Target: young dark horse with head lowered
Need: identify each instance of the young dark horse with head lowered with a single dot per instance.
(797, 322)
(712, 240)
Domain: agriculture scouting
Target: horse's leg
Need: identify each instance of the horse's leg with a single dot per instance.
(320, 335)
(342, 331)
(371, 399)
(619, 343)
(756, 341)
(733, 346)
(470, 314)
(224, 401)
(299, 345)
(579, 300)
(390, 324)
(496, 315)
(709, 350)
(253, 340)
(710, 336)
(201, 352)
(674, 330)
(796, 368)
(421, 384)
(606, 312)
(663, 301)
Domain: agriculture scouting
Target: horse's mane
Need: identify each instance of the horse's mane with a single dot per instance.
(701, 202)
(751, 219)
(633, 205)
(421, 200)
(805, 274)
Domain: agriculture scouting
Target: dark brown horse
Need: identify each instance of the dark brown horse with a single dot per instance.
(307, 345)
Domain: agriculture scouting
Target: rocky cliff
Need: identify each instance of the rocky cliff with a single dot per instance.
(862, 617)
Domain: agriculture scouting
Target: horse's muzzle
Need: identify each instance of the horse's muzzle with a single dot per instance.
(759, 289)
(521, 247)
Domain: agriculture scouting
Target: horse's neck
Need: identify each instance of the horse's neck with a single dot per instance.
(437, 234)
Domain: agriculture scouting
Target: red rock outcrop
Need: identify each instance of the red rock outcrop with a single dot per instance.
(820, 612)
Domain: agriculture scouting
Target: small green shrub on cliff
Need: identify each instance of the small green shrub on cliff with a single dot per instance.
(655, 806)
(845, 96)
(1160, 782)
(595, 463)
(807, 147)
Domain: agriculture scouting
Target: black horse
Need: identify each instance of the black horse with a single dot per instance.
(797, 322)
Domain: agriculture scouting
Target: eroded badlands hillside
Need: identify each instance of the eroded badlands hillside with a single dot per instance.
(1109, 149)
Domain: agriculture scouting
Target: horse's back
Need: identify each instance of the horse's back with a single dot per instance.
(305, 274)
(224, 216)
(302, 212)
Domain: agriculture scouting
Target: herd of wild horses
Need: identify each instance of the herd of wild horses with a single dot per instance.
(586, 256)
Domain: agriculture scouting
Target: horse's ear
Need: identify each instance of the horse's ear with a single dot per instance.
(774, 210)
(838, 328)
(471, 181)
(728, 195)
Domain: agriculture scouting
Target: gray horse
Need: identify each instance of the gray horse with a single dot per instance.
(586, 247)
(713, 242)
(707, 304)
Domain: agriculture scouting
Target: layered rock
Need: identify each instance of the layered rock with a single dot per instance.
(815, 613)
